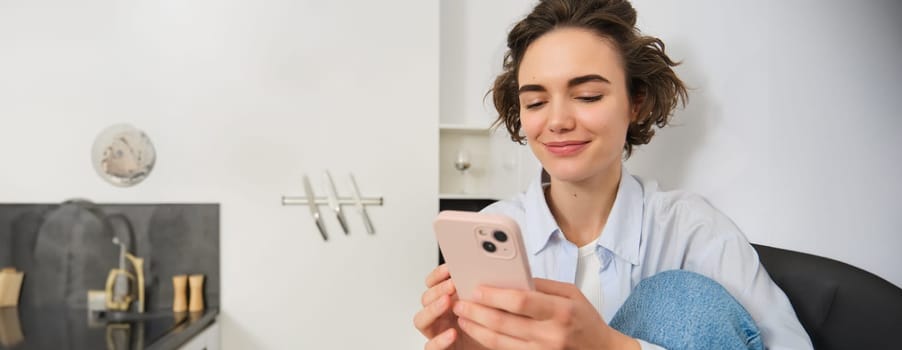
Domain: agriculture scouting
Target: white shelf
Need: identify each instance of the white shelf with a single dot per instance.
(493, 158)
(466, 196)
(464, 128)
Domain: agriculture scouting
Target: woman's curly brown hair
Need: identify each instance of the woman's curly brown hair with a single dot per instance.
(650, 78)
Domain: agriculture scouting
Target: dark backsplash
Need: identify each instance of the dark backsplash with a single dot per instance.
(64, 249)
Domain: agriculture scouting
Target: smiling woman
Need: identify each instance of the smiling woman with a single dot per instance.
(574, 104)
(621, 264)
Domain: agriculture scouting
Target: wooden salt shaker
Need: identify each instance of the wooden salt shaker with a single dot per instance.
(196, 283)
(180, 298)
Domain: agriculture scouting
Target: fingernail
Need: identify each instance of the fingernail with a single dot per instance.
(440, 304)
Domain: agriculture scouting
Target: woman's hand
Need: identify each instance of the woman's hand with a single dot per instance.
(435, 320)
(555, 316)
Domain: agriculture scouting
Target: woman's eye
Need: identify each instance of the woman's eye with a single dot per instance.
(534, 105)
(590, 98)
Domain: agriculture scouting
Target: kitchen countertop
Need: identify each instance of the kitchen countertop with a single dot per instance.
(56, 328)
(184, 332)
(65, 251)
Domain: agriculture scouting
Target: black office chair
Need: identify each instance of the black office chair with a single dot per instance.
(840, 306)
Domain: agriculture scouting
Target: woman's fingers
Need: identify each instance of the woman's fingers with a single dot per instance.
(499, 321)
(535, 305)
(437, 275)
(566, 290)
(489, 338)
(437, 303)
(442, 341)
(425, 318)
(445, 287)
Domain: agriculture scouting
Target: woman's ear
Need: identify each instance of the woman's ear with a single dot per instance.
(636, 107)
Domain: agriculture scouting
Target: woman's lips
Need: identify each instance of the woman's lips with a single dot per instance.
(565, 148)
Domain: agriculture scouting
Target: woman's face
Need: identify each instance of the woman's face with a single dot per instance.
(574, 106)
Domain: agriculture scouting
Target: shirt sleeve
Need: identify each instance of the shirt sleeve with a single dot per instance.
(720, 251)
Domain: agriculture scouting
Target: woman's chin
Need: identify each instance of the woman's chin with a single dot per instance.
(578, 172)
(567, 174)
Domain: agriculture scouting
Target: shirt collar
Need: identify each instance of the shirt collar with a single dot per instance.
(542, 225)
(622, 232)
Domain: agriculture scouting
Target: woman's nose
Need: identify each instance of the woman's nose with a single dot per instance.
(561, 119)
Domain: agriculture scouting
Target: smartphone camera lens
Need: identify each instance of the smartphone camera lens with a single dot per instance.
(489, 247)
(500, 236)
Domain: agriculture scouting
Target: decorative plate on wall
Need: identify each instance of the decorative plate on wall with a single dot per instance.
(123, 155)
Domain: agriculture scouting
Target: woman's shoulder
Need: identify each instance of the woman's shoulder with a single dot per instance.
(672, 203)
(514, 207)
(684, 212)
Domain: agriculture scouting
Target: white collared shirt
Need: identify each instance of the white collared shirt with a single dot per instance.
(650, 231)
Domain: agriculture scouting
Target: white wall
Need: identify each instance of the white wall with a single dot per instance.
(793, 121)
(241, 98)
(792, 126)
(473, 35)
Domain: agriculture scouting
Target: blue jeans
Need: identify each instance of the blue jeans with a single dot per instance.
(684, 310)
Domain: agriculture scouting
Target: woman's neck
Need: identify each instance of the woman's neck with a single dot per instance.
(581, 209)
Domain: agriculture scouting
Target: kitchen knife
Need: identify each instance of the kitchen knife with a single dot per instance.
(333, 202)
(361, 208)
(314, 208)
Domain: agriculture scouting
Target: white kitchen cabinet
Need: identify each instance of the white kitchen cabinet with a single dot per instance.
(208, 339)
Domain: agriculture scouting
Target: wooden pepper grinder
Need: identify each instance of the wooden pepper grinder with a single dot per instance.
(196, 283)
(10, 286)
(180, 298)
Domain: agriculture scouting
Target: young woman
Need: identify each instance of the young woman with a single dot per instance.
(619, 263)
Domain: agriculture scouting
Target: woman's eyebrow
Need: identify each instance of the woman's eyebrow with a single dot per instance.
(587, 78)
(532, 87)
(573, 82)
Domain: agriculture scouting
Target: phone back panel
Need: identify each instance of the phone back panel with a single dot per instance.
(462, 237)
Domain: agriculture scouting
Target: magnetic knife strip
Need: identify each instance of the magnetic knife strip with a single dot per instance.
(334, 202)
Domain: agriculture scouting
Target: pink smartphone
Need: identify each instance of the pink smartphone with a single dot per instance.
(482, 249)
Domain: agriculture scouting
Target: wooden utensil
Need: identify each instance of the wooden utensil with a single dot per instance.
(10, 286)
(196, 283)
(180, 296)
